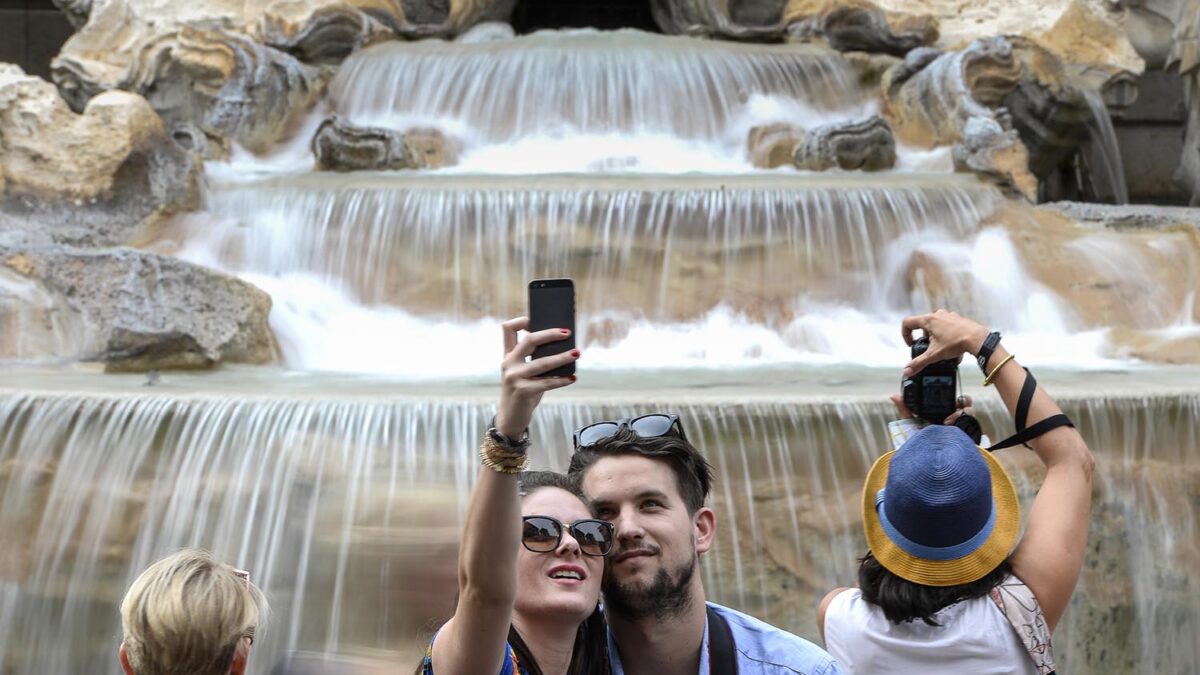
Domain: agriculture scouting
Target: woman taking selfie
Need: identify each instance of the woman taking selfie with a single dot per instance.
(948, 585)
(532, 556)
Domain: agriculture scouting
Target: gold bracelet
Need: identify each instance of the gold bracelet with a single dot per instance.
(496, 458)
(987, 381)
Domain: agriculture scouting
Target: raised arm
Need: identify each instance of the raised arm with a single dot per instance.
(473, 641)
(1050, 554)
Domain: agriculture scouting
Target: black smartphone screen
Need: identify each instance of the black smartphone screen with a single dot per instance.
(552, 305)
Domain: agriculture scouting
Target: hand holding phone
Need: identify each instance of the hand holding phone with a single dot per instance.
(552, 305)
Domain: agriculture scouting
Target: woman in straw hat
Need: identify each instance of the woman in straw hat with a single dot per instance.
(942, 588)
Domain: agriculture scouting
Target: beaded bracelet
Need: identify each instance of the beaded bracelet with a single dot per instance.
(497, 458)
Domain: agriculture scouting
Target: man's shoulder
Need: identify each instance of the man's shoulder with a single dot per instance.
(770, 646)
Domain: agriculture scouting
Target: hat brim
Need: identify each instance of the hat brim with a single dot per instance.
(964, 570)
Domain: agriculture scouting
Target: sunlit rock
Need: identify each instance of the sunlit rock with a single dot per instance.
(954, 98)
(231, 87)
(741, 19)
(773, 145)
(996, 154)
(859, 25)
(341, 146)
(866, 145)
(98, 177)
(1089, 32)
(128, 309)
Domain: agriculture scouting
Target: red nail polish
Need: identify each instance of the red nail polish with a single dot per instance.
(564, 331)
(571, 377)
(575, 353)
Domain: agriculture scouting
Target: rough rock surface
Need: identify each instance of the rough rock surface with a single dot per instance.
(1089, 32)
(341, 146)
(954, 99)
(866, 145)
(773, 145)
(859, 25)
(239, 71)
(92, 178)
(128, 309)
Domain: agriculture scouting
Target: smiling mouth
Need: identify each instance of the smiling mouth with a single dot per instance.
(566, 574)
(632, 555)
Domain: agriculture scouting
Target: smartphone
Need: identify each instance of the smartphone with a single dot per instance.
(552, 305)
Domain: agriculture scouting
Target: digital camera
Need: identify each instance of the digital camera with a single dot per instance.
(931, 393)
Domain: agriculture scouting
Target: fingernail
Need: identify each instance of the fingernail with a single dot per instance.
(571, 377)
(907, 372)
(564, 331)
(575, 353)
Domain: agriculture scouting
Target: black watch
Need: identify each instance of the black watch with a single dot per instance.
(985, 352)
(518, 445)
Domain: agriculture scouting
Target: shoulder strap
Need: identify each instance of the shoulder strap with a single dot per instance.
(1024, 434)
(722, 654)
(1021, 610)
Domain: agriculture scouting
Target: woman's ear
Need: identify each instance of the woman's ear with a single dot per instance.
(240, 656)
(124, 660)
(705, 522)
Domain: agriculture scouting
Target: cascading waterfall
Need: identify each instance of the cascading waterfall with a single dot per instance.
(346, 509)
(1111, 172)
(582, 82)
(756, 303)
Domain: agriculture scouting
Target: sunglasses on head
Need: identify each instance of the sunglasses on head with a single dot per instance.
(653, 425)
(543, 534)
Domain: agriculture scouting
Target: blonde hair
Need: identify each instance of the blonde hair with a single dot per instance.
(186, 615)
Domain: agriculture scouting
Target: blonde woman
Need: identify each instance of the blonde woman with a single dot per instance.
(189, 614)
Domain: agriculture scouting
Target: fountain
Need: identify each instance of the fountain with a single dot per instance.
(763, 305)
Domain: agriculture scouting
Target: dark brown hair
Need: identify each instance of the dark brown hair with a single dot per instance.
(903, 600)
(589, 655)
(693, 474)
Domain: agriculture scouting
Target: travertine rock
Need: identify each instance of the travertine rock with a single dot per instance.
(773, 145)
(241, 71)
(953, 99)
(128, 309)
(1088, 32)
(859, 25)
(96, 177)
(341, 146)
(866, 145)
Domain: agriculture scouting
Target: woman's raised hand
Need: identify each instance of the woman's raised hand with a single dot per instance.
(950, 336)
(521, 384)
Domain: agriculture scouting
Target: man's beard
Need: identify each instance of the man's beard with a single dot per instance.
(663, 599)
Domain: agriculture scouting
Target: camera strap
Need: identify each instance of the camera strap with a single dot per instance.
(722, 655)
(1024, 434)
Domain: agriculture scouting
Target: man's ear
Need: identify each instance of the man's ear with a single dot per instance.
(124, 660)
(240, 656)
(705, 522)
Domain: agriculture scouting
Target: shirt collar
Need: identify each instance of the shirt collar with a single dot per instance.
(614, 656)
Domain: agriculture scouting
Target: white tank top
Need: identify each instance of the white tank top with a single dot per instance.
(974, 637)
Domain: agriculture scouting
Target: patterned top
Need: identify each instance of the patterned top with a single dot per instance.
(510, 667)
(1017, 604)
(974, 636)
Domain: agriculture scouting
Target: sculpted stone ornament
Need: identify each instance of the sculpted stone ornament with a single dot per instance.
(98, 177)
(341, 146)
(947, 99)
(859, 25)
(866, 145)
(240, 71)
(128, 309)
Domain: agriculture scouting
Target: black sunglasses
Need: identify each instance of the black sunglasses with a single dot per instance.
(542, 534)
(646, 426)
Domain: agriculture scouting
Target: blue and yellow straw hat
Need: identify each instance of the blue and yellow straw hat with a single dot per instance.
(940, 511)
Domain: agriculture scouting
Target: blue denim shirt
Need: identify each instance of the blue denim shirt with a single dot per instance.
(762, 649)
